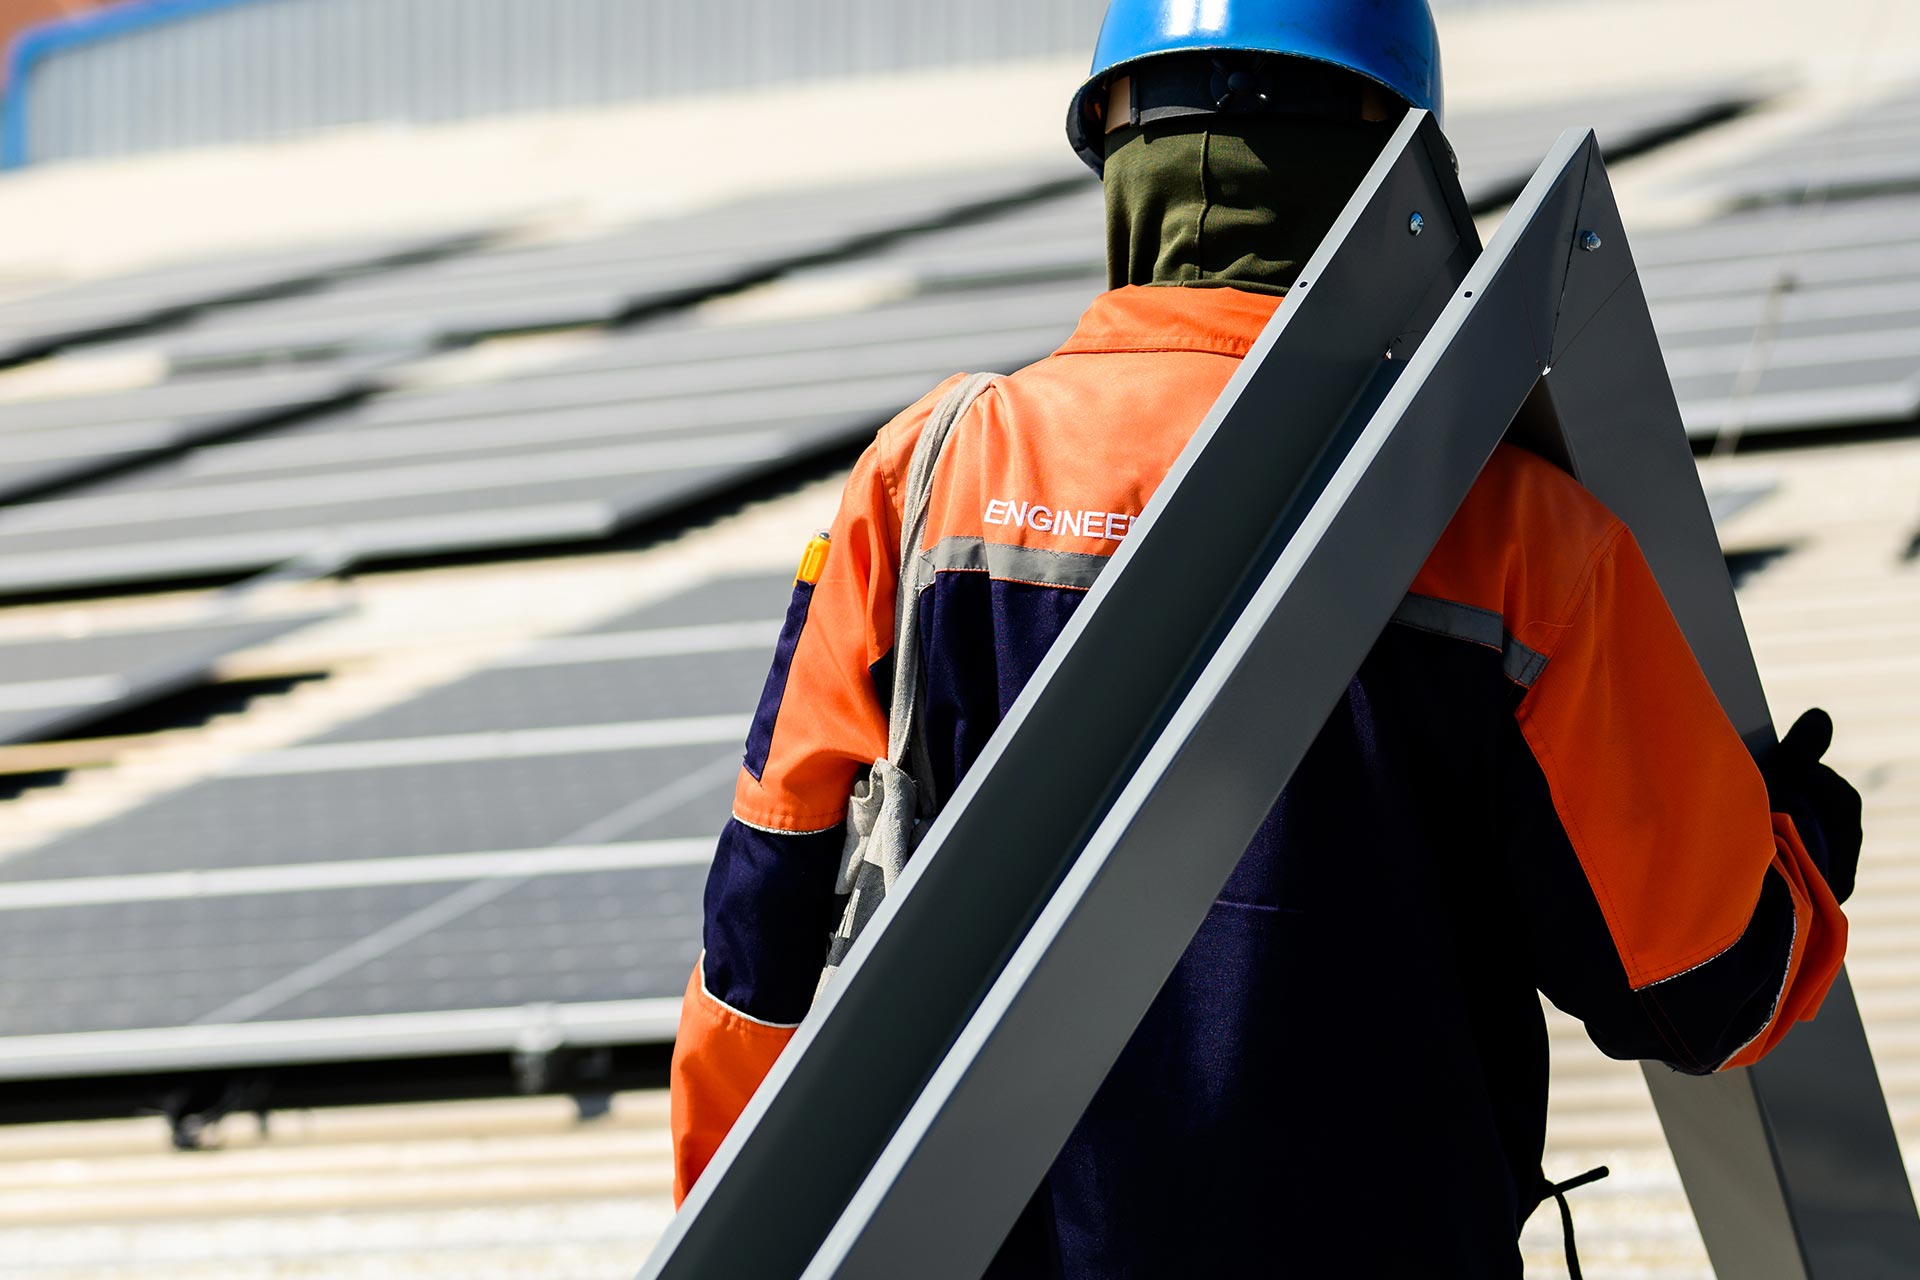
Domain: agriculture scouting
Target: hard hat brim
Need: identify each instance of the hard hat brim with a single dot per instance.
(1088, 136)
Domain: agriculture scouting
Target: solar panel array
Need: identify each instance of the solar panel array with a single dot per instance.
(663, 416)
(1499, 148)
(400, 477)
(54, 683)
(538, 831)
(650, 423)
(1791, 317)
(594, 280)
(40, 323)
(59, 441)
(1872, 150)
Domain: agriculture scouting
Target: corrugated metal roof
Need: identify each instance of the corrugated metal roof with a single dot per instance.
(473, 1191)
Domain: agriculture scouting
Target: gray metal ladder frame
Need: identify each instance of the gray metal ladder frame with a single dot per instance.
(924, 1098)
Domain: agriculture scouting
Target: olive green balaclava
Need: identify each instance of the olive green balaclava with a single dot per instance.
(1230, 201)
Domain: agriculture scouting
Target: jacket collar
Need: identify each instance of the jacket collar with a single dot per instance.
(1161, 318)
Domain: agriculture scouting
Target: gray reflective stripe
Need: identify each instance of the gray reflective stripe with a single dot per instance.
(1076, 569)
(1483, 627)
(1456, 621)
(1522, 665)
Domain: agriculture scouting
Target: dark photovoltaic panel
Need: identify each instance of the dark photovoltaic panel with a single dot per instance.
(613, 935)
(1872, 150)
(383, 811)
(50, 685)
(675, 685)
(1791, 318)
(1500, 147)
(656, 420)
(597, 936)
(59, 441)
(1059, 239)
(120, 966)
(658, 417)
(597, 280)
(736, 598)
(35, 325)
(109, 952)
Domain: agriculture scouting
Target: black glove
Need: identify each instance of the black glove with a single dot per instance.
(1824, 808)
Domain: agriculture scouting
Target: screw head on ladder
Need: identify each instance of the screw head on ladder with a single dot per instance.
(1590, 241)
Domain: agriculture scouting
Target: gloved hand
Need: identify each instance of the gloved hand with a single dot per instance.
(1824, 808)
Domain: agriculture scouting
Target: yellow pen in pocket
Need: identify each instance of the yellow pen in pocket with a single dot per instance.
(813, 561)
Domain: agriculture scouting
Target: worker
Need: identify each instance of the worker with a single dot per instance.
(1528, 787)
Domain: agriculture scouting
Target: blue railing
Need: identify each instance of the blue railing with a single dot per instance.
(46, 39)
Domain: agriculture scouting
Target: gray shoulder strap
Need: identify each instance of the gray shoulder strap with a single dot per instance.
(913, 567)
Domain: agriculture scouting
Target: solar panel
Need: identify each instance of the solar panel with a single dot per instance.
(610, 935)
(728, 600)
(1500, 147)
(388, 809)
(570, 685)
(119, 966)
(598, 280)
(60, 441)
(50, 684)
(511, 838)
(38, 324)
(533, 286)
(563, 454)
(1869, 151)
(1791, 319)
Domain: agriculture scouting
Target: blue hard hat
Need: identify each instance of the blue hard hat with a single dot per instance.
(1390, 42)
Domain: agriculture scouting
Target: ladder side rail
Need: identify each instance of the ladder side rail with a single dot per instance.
(992, 1118)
